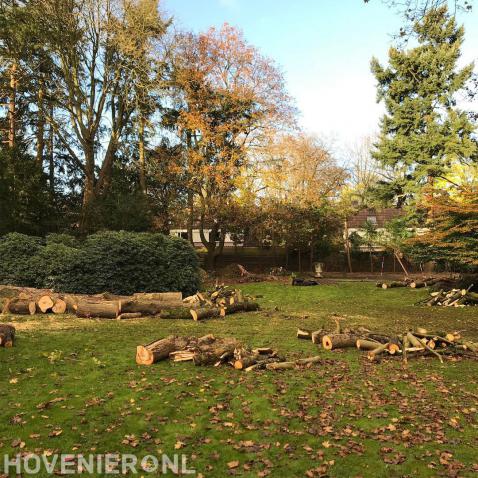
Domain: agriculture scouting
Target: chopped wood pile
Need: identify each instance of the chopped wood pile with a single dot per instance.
(452, 298)
(7, 335)
(409, 344)
(169, 305)
(219, 302)
(209, 350)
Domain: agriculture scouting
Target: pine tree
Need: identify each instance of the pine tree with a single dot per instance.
(424, 133)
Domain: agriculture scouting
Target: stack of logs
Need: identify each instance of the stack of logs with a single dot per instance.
(452, 298)
(411, 343)
(209, 350)
(217, 303)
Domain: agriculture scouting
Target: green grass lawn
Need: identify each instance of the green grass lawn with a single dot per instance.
(345, 417)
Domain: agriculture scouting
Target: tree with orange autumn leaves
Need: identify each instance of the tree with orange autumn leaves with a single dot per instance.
(229, 98)
(451, 234)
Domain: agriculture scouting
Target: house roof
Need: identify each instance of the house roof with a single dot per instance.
(383, 216)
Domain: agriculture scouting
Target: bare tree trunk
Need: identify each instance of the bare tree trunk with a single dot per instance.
(88, 188)
(12, 105)
(347, 245)
(190, 224)
(51, 161)
(40, 122)
(312, 255)
(142, 164)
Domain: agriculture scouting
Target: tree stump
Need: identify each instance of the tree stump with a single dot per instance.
(7, 335)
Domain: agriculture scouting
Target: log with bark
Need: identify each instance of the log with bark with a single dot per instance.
(177, 313)
(206, 313)
(160, 349)
(143, 306)
(104, 309)
(246, 306)
(172, 297)
(19, 307)
(339, 341)
(393, 285)
(215, 352)
(7, 335)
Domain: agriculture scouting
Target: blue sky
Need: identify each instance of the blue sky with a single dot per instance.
(324, 48)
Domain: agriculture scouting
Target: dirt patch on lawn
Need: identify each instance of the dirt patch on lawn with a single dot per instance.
(47, 322)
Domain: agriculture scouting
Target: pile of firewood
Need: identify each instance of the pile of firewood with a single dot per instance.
(219, 302)
(169, 305)
(452, 298)
(209, 350)
(408, 344)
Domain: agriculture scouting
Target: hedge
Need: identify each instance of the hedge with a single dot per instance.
(117, 262)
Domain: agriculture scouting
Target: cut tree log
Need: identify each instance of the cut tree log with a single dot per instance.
(414, 341)
(178, 313)
(212, 353)
(471, 346)
(304, 334)
(392, 285)
(160, 349)
(309, 360)
(363, 344)
(339, 341)
(280, 365)
(7, 335)
(160, 296)
(393, 348)
(129, 315)
(145, 307)
(105, 309)
(417, 285)
(246, 306)
(260, 365)
(246, 361)
(317, 335)
(372, 354)
(71, 303)
(59, 307)
(45, 303)
(19, 307)
(205, 313)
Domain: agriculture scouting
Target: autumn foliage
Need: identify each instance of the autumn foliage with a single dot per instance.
(451, 231)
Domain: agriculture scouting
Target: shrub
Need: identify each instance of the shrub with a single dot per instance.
(64, 239)
(126, 262)
(56, 265)
(16, 265)
(117, 262)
